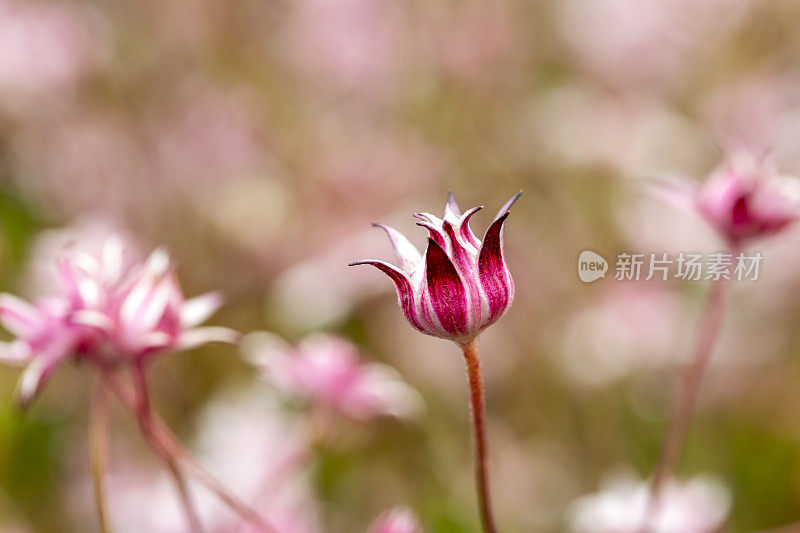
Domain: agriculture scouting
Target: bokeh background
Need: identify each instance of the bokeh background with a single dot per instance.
(258, 139)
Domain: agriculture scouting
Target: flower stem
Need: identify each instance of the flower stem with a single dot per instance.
(145, 419)
(479, 430)
(165, 440)
(685, 393)
(98, 450)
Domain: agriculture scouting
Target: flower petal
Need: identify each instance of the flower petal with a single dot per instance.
(199, 336)
(402, 283)
(94, 319)
(15, 353)
(495, 278)
(447, 292)
(465, 230)
(407, 254)
(18, 316)
(507, 207)
(197, 310)
(451, 209)
(434, 226)
(38, 372)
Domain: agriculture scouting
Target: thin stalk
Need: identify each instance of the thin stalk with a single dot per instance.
(685, 394)
(479, 431)
(167, 441)
(98, 450)
(144, 415)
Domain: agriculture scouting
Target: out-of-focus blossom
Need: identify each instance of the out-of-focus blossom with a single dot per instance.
(397, 520)
(652, 42)
(109, 309)
(326, 371)
(586, 125)
(744, 198)
(461, 285)
(475, 38)
(79, 162)
(699, 505)
(350, 44)
(44, 46)
(633, 326)
(759, 111)
(205, 137)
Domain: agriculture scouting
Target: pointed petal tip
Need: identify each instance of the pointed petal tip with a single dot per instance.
(507, 207)
(452, 205)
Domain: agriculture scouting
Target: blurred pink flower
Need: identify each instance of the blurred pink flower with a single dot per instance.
(397, 520)
(631, 327)
(699, 505)
(462, 285)
(326, 371)
(349, 44)
(43, 46)
(108, 308)
(744, 198)
(648, 42)
(205, 136)
(475, 38)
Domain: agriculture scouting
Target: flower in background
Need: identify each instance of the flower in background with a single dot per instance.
(461, 285)
(744, 198)
(326, 371)
(699, 505)
(631, 327)
(397, 520)
(108, 307)
(351, 44)
(44, 46)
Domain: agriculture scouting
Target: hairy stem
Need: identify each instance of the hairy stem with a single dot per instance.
(98, 450)
(479, 431)
(686, 392)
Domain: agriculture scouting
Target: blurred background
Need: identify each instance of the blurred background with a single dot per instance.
(258, 139)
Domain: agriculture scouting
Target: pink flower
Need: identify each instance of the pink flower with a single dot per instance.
(744, 198)
(699, 505)
(461, 285)
(326, 371)
(109, 308)
(397, 520)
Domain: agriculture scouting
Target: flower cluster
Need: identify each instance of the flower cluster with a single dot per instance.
(461, 285)
(110, 308)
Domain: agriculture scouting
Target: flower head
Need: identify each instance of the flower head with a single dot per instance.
(326, 371)
(744, 198)
(699, 505)
(397, 520)
(461, 285)
(109, 308)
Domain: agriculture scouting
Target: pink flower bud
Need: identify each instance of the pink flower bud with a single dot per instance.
(461, 285)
